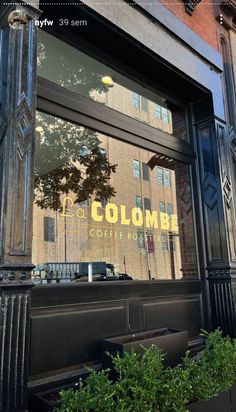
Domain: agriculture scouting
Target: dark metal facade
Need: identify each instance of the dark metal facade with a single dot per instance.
(17, 113)
(87, 313)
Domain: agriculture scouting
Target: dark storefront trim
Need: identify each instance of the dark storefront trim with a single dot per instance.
(82, 309)
(81, 110)
(162, 44)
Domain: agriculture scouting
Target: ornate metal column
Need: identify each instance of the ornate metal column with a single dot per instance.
(17, 117)
(219, 219)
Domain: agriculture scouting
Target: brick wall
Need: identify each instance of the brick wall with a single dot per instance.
(201, 22)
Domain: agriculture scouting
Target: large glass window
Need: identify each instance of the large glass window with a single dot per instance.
(87, 223)
(76, 71)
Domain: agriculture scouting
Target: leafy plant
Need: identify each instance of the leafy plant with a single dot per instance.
(174, 390)
(96, 394)
(139, 380)
(144, 385)
(69, 159)
(213, 371)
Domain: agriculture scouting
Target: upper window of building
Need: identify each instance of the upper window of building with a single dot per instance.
(113, 234)
(49, 229)
(141, 239)
(160, 176)
(157, 111)
(145, 170)
(84, 202)
(137, 172)
(162, 206)
(144, 104)
(147, 203)
(167, 178)
(78, 72)
(164, 242)
(165, 115)
(136, 100)
(169, 208)
(138, 202)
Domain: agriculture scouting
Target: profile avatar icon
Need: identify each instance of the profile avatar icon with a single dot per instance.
(17, 19)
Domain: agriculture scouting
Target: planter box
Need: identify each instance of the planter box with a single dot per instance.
(45, 401)
(173, 342)
(219, 403)
(48, 400)
(233, 397)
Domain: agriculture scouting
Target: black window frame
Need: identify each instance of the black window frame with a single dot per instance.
(83, 111)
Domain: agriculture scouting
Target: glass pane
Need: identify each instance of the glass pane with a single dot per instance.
(138, 202)
(137, 169)
(80, 73)
(167, 178)
(93, 220)
(160, 176)
(147, 204)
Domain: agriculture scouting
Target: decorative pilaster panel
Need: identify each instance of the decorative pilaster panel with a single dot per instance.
(18, 103)
(226, 182)
(222, 295)
(14, 347)
(232, 142)
(219, 224)
(17, 119)
(215, 231)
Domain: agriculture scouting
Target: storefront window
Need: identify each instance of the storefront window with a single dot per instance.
(94, 220)
(76, 71)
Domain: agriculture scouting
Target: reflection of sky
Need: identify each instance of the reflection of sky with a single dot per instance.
(69, 67)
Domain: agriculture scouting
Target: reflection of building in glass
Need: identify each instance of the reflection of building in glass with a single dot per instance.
(84, 75)
(153, 229)
(146, 202)
(132, 104)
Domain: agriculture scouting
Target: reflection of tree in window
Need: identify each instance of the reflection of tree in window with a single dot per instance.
(69, 159)
(103, 201)
(84, 151)
(103, 151)
(84, 77)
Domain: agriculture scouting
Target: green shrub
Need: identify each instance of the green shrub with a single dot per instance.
(139, 380)
(96, 394)
(213, 371)
(144, 385)
(175, 389)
